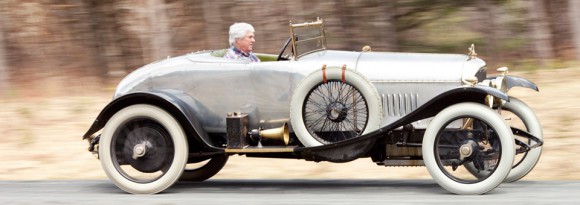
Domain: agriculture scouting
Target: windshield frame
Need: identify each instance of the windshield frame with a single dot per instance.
(319, 23)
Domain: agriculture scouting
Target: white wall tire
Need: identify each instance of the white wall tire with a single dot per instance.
(527, 121)
(500, 142)
(531, 124)
(143, 149)
(333, 111)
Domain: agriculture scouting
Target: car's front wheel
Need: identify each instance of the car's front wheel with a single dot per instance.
(143, 149)
(468, 133)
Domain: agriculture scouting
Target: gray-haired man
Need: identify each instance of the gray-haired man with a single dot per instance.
(241, 43)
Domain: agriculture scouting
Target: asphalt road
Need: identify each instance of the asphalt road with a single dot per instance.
(286, 192)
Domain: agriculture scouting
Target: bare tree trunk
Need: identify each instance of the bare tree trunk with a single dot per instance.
(386, 29)
(488, 11)
(97, 45)
(560, 28)
(161, 38)
(214, 25)
(4, 78)
(348, 26)
(574, 13)
(541, 35)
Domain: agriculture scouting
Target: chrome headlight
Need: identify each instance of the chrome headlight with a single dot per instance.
(499, 83)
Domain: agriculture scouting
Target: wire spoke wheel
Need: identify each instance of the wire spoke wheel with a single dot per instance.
(333, 105)
(335, 111)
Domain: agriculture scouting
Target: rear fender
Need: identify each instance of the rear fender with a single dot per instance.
(171, 101)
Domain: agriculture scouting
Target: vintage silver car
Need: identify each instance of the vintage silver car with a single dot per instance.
(180, 118)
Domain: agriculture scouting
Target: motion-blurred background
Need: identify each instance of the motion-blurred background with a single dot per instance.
(60, 61)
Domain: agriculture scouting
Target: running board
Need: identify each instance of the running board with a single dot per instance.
(401, 163)
(256, 149)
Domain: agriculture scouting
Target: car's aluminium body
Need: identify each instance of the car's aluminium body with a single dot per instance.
(264, 90)
(402, 92)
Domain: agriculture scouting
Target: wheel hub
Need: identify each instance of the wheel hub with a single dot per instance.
(147, 148)
(139, 150)
(336, 112)
(468, 149)
(465, 150)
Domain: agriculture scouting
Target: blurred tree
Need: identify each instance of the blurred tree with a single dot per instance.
(540, 31)
(416, 20)
(4, 75)
(415, 13)
(96, 44)
(387, 25)
(160, 35)
(487, 15)
(560, 27)
(212, 15)
(122, 35)
(104, 37)
(359, 17)
(574, 15)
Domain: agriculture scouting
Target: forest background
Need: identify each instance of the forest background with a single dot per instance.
(61, 59)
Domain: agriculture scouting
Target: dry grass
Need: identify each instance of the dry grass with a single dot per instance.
(41, 129)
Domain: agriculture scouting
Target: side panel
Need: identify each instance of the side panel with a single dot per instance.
(263, 90)
(401, 98)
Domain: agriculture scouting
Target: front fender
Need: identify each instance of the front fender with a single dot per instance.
(514, 81)
(171, 101)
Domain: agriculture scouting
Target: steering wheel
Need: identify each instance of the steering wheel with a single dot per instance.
(283, 49)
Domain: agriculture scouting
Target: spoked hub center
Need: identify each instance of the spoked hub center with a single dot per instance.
(140, 150)
(336, 112)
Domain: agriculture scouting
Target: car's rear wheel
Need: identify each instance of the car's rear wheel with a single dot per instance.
(468, 133)
(205, 169)
(333, 105)
(143, 149)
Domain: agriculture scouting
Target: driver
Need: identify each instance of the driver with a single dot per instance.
(241, 43)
